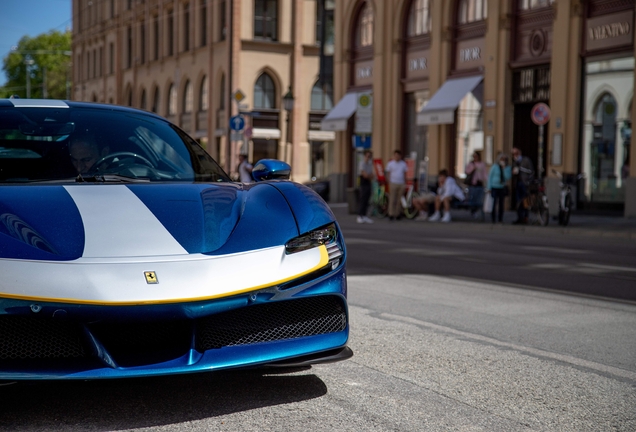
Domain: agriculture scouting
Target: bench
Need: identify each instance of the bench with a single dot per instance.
(474, 201)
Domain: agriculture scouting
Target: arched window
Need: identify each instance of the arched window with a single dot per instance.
(172, 100)
(419, 18)
(605, 111)
(188, 98)
(129, 97)
(534, 4)
(364, 33)
(471, 11)
(264, 92)
(142, 105)
(321, 97)
(155, 101)
(203, 94)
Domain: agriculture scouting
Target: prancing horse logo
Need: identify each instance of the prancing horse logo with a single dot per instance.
(151, 277)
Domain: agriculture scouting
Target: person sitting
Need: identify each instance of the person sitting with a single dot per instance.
(84, 152)
(447, 192)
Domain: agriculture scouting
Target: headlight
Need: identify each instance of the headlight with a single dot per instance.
(321, 236)
(327, 235)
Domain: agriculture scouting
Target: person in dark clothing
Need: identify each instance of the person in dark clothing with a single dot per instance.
(366, 177)
(523, 174)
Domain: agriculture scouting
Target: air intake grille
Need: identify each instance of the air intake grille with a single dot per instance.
(29, 338)
(272, 322)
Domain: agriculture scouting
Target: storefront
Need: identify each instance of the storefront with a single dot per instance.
(608, 88)
(415, 82)
(459, 101)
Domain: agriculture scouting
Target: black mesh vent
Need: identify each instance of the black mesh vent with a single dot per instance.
(272, 322)
(31, 338)
(133, 344)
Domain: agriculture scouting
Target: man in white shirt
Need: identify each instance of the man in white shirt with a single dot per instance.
(396, 174)
(447, 191)
(245, 169)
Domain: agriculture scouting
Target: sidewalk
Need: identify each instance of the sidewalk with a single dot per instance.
(580, 224)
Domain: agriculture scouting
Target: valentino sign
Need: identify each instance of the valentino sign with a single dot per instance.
(609, 30)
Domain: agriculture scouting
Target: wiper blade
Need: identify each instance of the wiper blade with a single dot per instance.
(109, 178)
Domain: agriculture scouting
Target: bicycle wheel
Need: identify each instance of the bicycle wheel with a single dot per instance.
(410, 211)
(543, 214)
(564, 214)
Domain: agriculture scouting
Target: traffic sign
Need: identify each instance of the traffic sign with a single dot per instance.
(237, 123)
(249, 132)
(238, 96)
(540, 114)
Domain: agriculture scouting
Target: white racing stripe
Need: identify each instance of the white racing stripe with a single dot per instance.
(118, 224)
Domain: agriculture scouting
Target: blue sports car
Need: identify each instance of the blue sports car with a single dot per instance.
(126, 251)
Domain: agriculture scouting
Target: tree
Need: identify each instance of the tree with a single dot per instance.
(47, 58)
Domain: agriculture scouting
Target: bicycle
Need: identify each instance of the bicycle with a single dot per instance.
(379, 200)
(565, 198)
(537, 204)
(409, 210)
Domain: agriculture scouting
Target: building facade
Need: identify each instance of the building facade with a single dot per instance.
(448, 78)
(201, 62)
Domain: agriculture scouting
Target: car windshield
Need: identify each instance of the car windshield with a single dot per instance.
(98, 144)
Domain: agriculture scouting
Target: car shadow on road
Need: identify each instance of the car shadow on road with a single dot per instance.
(147, 402)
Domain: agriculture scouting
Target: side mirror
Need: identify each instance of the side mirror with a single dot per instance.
(271, 169)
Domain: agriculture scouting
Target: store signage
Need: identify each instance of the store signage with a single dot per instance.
(469, 54)
(610, 31)
(363, 73)
(417, 65)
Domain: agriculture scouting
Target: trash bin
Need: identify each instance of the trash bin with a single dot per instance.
(353, 197)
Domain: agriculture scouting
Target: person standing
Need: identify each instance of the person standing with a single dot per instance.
(522, 174)
(476, 173)
(366, 177)
(396, 174)
(245, 169)
(499, 175)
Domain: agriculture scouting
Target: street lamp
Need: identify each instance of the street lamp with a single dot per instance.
(288, 104)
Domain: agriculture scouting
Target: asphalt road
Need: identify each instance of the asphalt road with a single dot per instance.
(452, 328)
(541, 258)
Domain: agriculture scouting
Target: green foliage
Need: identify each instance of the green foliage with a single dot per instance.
(50, 53)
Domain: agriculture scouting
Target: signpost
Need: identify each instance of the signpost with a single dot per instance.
(540, 115)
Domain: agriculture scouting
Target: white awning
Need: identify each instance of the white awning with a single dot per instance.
(266, 133)
(337, 118)
(315, 135)
(441, 108)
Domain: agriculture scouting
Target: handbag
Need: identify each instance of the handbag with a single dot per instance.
(488, 203)
(469, 178)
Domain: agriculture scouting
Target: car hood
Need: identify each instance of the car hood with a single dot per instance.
(67, 222)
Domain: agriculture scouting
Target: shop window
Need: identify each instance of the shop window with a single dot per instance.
(419, 18)
(364, 33)
(203, 94)
(187, 98)
(471, 11)
(321, 97)
(155, 101)
(264, 92)
(534, 4)
(265, 19)
(172, 100)
(142, 105)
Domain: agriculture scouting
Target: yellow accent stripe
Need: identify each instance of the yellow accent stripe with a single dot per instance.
(324, 260)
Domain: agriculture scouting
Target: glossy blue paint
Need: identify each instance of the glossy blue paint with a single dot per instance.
(271, 169)
(39, 222)
(310, 210)
(192, 361)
